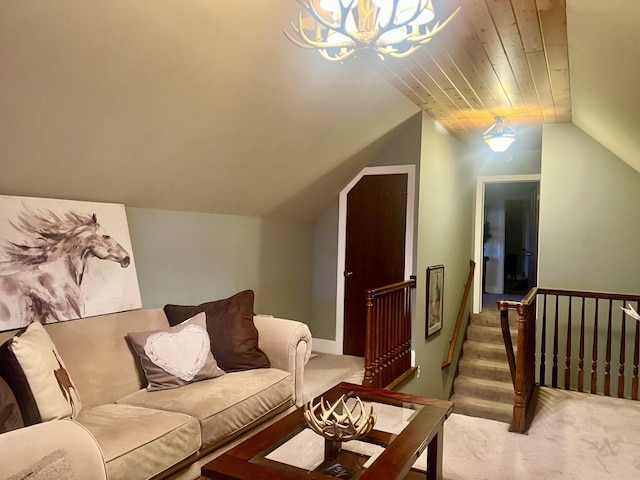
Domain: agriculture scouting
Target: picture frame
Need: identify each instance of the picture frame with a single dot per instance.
(83, 250)
(435, 299)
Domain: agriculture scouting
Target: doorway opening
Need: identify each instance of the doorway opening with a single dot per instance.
(506, 243)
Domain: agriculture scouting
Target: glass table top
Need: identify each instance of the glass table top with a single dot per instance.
(305, 449)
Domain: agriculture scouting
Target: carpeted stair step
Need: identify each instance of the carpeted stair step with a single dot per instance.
(480, 333)
(491, 318)
(485, 351)
(484, 369)
(483, 386)
(486, 318)
(476, 407)
(501, 392)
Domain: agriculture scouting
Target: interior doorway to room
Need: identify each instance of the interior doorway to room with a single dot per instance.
(375, 248)
(508, 247)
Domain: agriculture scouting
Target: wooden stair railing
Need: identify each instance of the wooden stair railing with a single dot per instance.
(600, 317)
(387, 355)
(522, 363)
(591, 321)
(463, 305)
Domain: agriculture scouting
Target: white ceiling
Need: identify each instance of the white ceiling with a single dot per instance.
(204, 105)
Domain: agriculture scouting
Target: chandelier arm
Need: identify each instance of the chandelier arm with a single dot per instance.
(391, 25)
(294, 40)
(338, 58)
(315, 14)
(421, 39)
(405, 54)
(310, 43)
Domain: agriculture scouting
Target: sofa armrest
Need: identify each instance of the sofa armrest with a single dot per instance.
(287, 344)
(64, 443)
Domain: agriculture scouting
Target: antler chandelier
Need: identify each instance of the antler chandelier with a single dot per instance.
(339, 29)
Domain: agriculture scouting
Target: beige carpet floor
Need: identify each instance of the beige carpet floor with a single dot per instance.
(324, 370)
(573, 435)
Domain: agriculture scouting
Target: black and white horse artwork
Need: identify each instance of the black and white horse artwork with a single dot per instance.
(41, 278)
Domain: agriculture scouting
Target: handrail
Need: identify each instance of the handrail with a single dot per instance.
(522, 365)
(463, 303)
(375, 292)
(505, 306)
(569, 317)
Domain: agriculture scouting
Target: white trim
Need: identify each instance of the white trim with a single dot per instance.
(324, 346)
(479, 228)
(410, 170)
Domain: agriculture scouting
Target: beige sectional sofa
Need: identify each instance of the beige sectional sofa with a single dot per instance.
(143, 434)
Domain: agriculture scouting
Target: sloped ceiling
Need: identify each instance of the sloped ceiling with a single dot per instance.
(495, 58)
(205, 106)
(604, 54)
(182, 104)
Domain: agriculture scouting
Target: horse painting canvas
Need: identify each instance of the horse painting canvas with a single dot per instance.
(63, 260)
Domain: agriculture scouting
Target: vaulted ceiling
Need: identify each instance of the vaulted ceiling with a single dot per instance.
(205, 106)
(496, 57)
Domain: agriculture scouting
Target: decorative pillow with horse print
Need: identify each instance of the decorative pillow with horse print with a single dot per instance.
(32, 367)
(176, 355)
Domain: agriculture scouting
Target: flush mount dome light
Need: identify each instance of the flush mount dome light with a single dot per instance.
(498, 136)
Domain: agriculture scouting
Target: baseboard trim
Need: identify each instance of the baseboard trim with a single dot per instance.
(325, 346)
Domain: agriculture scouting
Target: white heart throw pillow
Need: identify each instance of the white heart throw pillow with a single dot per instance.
(177, 355)
(182, 354)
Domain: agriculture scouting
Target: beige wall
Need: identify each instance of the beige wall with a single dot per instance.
(589, 215)
(187, 258)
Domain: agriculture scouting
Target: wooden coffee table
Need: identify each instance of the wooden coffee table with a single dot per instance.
(406, 426)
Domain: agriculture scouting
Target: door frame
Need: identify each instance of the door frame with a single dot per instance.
(410, 171)
(478, 252)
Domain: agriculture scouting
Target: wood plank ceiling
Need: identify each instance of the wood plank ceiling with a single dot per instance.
(496, 57)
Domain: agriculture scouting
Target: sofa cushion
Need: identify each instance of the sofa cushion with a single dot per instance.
(141, 440)
(225, 406)
(177, 355)
(234, 337)
(32, 367)
(10, 417)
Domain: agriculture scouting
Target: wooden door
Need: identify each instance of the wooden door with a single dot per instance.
(375, 247)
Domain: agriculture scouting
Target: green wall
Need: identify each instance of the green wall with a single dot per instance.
(444, 200)
(325, 268)
(446, 185)
(404, 150)
(189, 258)
(589, 237)
(589, 211)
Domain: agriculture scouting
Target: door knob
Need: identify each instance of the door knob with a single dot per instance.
(348, 274)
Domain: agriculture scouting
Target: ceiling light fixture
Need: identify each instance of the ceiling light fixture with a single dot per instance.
(339, 29)
(498, 136)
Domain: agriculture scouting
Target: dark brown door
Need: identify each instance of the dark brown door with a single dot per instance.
(375, 248)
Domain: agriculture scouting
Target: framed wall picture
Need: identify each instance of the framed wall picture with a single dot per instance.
(435, 299)
(62, 260)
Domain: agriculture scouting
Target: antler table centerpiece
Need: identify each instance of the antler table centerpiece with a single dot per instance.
(338, 422)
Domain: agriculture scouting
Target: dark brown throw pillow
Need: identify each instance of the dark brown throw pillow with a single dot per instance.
(234, 337)
(10, 416)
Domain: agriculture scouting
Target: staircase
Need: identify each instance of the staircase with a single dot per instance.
(483, 386)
